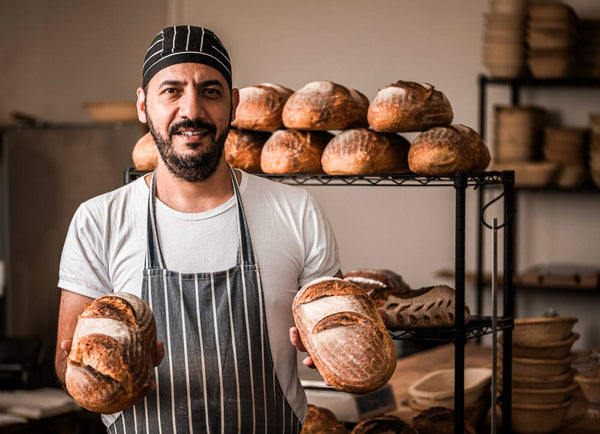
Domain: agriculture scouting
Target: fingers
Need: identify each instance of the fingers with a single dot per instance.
(160, 352)
(66, 345)
(296, 341)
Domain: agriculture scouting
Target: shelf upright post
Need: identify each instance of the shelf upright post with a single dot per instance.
(509, 296)
(460, 338)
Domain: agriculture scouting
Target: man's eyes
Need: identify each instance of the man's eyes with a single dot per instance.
(211, 92)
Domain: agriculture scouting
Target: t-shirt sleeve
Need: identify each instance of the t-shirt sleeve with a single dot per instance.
(82, 264)
(320, 245)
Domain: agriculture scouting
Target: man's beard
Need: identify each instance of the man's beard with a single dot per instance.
(191, 168)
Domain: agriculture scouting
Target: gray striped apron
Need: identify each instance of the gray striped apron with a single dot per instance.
(217, 375)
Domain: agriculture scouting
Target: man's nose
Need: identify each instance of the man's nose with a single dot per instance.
(191, 106)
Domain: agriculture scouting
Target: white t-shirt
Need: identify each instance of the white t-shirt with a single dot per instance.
(106, 246)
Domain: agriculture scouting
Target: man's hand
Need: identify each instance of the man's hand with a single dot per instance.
(297, 342)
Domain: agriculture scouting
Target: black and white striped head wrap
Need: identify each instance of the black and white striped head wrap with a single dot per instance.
(181, 44)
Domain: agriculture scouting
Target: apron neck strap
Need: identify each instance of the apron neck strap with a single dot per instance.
(154, 257)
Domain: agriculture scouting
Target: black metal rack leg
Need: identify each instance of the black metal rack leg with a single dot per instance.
(460, 185)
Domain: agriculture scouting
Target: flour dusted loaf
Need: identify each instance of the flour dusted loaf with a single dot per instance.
(379, 284)
(294, 151)
(408, 106)
(438, 420)
(447, 150)
(384, 424)
(360, 151)
(112, 355)
(243, 149)
(344, 335)
(325, 105)
(145, 153)
(320, 420)
(260, 107)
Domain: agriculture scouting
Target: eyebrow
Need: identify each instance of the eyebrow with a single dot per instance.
(201, 84)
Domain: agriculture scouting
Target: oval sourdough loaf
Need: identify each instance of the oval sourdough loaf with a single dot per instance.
(113, 352)
(294, 151)
(145, 153)
(408, 106)
(447, 150)
(243, 149)
(325, 105)
(260, 107)
(360, 151)
(344, 335)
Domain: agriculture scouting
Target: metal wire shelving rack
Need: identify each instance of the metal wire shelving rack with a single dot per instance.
(478, 325)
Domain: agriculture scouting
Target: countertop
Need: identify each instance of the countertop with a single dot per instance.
(411, 368)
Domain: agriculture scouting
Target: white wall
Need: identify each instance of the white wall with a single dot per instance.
(69, 52)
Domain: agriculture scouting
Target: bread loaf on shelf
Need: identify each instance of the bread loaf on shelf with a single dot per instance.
(360, 151)
(320, 420)
(377, 283)
(408, 106)
(260, 107)
(243, 149)
(145, 153)
(325, 105)
(438, 420)
(113, 353)
(446, 150)
(384, 424)
(293, 151)
(432, 306)
(344, 335)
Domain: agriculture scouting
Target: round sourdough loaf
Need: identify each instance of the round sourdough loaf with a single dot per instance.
(325, 105)
(344, 335)
(446, 150)
(260, 107)
(408, 106)
(145, 153)
(113, 353)
(243, 148)
(360, 151)
(320, 420)
(293, 151)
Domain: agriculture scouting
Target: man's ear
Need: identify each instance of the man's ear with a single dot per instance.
(235, 100)
(141, 105)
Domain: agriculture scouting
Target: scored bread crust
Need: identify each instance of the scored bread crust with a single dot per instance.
(360, 151)
(408, 106)
(377, 283)
(260, 107)
(243, 148)
(325, 105)
(447, 150)
(383, 424)
(112, 355)
(294, 151)
(344, 335)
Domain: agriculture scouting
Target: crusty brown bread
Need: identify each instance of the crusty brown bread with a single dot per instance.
(243, 149)
(360, 151)
(344, 335)
(438, 420)
(384, 424)
(408, 106)
(294, 151)
(325, 105)
(260, 107)
(377, 283)
(320, 420)
(113, 353)
(447, 150)
(145, 153)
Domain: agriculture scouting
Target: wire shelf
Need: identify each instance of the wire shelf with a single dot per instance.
(476, 327)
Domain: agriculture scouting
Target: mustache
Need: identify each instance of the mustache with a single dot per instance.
(193, 124)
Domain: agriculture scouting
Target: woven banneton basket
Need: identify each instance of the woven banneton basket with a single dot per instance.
(532, 367)
(550, 350)
(535, 331)
(543, 396)
(539, 418)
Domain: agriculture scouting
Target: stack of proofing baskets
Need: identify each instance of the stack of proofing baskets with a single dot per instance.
(542, 377)
(595, 148)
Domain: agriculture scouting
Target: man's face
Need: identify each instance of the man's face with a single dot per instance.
(188, 109)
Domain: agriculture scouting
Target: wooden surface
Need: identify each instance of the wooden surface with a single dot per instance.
(410, 369)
